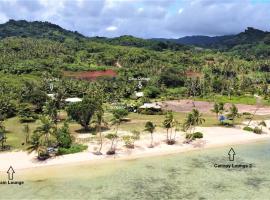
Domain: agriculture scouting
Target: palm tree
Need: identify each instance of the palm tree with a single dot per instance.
(197, 117)
(36, 145)
(176, 128)
(168, 123)
(258, 103)
(112, 137)
(99, 121)
(150, 127)
(216, 109)
(193, 119)
(43, 137)
(233, 113)
(118, 115)
(26, 130)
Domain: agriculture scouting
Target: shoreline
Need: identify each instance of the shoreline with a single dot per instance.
(214, 138)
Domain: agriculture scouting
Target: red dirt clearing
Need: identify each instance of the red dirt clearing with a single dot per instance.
(205, 107)
(91, 75)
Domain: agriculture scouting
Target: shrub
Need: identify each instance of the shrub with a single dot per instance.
(75, 148)
(128, 140)
(257, 130)
(150, 111)
(64, 137)
(152, 92)
(197, 135)
(247, 128)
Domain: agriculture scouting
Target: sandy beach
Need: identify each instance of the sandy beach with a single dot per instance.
(213, 137)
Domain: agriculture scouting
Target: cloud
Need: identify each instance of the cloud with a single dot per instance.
(143, 18)
(111, 28)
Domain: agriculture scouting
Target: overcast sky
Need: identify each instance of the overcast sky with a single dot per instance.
(143, 18)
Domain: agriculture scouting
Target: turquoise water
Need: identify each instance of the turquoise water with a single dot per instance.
(190, 175)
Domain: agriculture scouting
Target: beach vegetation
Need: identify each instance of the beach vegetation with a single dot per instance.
(233, 113)
(113, 137)
(248, 128)
(257, 130)
(150, 128)
(118, 116)
(63, 136)
(99, 122)
(193, 119)
(129, 140)
(74, 148)
(197, 135)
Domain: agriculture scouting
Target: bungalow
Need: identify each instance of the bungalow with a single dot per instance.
(150, 108)
(73, 100)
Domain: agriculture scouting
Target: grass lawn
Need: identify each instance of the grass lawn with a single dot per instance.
(250, 100)
(16, 136)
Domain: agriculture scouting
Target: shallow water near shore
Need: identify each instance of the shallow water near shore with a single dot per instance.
(189, 175)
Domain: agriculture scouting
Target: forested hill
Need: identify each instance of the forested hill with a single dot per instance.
(128, 40)
(226, 42)
(36, 29)
(46, 30)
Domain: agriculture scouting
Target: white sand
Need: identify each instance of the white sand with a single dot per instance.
(213, 137)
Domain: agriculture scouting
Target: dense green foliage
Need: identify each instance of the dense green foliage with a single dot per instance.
(34, 55)
(75, 148)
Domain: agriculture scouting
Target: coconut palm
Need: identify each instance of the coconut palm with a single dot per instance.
(197, 117)
(168, 123)
(118, 116)
(113, 137)
(233, 113)
(26, 130)
(43, 137)
(218, 108)
(193, 119)
(150, 127)
(99, 121)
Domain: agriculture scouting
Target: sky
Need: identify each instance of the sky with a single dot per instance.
(143, 18)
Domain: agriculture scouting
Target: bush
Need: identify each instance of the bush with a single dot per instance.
(152, 92)
(128, 140)
(150, 111)
(247, 128)
(257, 130)
(75, 148)
(64, 137)
(197, 135)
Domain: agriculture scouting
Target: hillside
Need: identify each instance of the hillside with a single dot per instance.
(249, 36)
(47, 30)
(128, 40)
(36, 29)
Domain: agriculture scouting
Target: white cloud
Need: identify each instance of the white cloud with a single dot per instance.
(140, 10)
(180, 10)
(111, 28)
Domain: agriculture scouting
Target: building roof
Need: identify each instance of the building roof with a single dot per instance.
(139, 94)
(151, 105)
(73, 100)
(51, 95)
